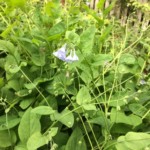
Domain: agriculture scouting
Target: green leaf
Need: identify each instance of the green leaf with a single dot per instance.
(43, 110)
(57, 29)
(118, 99)
(100, 119)
(7, 138)
(21, 146)
(7, 46)
(25, 103)
(29, 125)
(120, 117)
(23, 93)
(138, 109)
(76, 141)
(11, 64)
(1, 82)
(36, 140)
(100, 4)
(87, 40)
(12, 121)
(83, 96)
(89, 107)
(73, 37)
(65, 117)
(51, 8)
(123, 69)
(133, 141)
(101, 59)
(127, 59)
(109, 8)
(105, 33)
(141, 62)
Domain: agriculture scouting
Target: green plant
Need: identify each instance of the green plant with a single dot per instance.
(99, 100)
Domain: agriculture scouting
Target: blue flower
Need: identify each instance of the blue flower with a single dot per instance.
(61, 53)
(72, 57)
(142, 82)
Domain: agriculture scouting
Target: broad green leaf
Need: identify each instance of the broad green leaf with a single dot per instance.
(89, 106)
(57, 29)
(7, 46)
(25, 103)
(101, 59)
(38, 58)
(120, 117)
(118, 99)
(133, 141)
(12, 121)
(37, 55)
(14, 84)
(100, 119)
(43, 110)
(36, 140)
(141, 61)
(65, 117)
(73, 37)
(76, 141)
(127, 59)
(11, 64)
(87, 40)
(123, 69)
(29, 125)
(7, 138)
(138, 109)
(21, 146)
(83, 96)
(23, 93)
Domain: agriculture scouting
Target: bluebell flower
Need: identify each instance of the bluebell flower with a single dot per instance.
(72, 57)
(61, 53)
(142, 82)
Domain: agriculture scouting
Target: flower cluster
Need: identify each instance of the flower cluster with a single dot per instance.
(61, 54)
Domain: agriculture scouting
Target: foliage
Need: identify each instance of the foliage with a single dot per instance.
(99, 102)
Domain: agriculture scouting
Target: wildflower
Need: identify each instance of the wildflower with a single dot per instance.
(142, 82)
(72, 57)
(61, 53)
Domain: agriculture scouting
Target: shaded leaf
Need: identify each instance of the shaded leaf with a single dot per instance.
(12, 121)
(120, 117)
(7, 138)
(76, 141)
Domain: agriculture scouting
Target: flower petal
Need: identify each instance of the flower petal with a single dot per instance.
(61, 53)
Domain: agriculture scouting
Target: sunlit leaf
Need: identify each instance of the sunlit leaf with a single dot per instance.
(43, 110)
(133, 140)
(29, 125)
